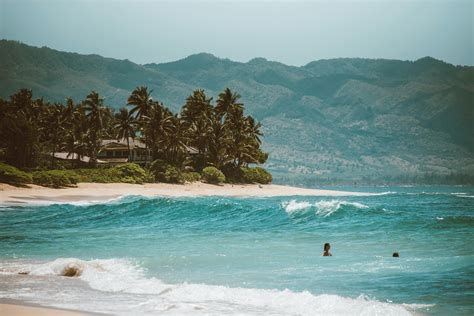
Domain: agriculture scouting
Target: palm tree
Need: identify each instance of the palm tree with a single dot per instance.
(196, 116)
(142, 102)
(219, 143)
(95, 112)
(76, 130)
(227, 128)
(22, 101)
(198, 107)
(246, 143)
(226, 101)
(157, 126)
(252, 129)
(175, 144)
(125, 125)
(200, 133)
(19, 129)
(69, 111)
(94, 107)
(54, 129)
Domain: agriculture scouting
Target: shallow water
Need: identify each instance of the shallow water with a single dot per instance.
(247, 255)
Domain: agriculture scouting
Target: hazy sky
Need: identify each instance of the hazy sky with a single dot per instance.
(292, 32)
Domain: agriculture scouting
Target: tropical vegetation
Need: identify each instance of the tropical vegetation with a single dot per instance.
(202, 136)
(10, 174)
(212, 175)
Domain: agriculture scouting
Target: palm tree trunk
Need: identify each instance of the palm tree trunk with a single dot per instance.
(129, 152)
(52, 156)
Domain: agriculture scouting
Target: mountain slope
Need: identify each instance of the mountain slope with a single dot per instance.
(348, 119)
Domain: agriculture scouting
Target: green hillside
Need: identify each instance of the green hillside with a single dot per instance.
(330, 120)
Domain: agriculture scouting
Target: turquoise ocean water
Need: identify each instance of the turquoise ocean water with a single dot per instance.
(215, 255)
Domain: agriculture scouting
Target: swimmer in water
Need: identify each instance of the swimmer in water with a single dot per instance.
(326, 252)
(396, 255)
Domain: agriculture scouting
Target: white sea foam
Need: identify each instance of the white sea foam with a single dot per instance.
(462, 195)
(87, 201)
(323, 208)
(326, 208)
(386, 193)
(127, 290)
(293, 206)
(93, 201)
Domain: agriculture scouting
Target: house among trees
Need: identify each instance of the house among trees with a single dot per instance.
(117, 151)
(114, 151)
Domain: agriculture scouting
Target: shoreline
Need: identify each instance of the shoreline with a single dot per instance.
(21, 308)
(100, 192)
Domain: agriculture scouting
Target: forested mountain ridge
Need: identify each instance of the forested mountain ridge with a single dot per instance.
(345, 119)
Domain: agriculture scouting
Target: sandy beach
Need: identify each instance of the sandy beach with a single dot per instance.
(106, 191)
(18, 309)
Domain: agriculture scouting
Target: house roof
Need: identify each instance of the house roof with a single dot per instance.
(73, 156)
(134, 143)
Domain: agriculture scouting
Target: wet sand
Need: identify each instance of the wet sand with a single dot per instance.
(18, 308)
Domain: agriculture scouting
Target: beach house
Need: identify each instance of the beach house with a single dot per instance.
(116, 151)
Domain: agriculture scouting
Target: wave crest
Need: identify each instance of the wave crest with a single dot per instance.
(323, 208)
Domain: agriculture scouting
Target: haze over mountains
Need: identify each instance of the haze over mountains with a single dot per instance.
(330, 120)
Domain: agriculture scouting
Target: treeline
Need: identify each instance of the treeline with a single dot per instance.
(222, 136)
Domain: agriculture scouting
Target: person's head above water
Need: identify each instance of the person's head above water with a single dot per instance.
(326, 252)
(396, 255)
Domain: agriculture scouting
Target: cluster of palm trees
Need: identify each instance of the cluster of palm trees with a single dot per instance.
(221, 134)
(31, 129)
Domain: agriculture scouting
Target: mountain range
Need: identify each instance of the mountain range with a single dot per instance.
(330, 121)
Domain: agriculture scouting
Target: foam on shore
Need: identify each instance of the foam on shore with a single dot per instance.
(126, 278)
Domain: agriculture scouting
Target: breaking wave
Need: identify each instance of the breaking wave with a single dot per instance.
(126, 277)
(322, 208)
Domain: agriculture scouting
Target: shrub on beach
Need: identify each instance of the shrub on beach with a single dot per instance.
(131, 173)
(191, 176)
(42, 178)
(10, 174)
(173, 175)
(98, 175)
(157, 169)
(72, 176)
(164, 172)
(55, 178)
(126, 173)
(212, 175)
(256, 175)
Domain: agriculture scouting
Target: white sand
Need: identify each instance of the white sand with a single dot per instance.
(105, 191)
